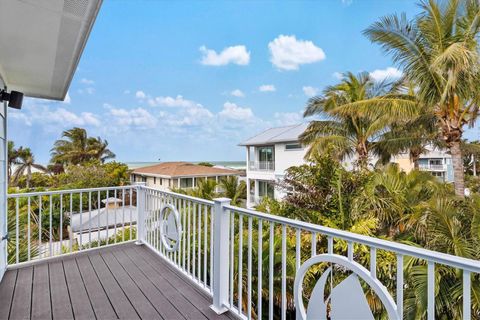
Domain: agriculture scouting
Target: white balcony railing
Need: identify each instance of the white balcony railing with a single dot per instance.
(52, 223)
(433, 167)
(234, 254)
(261, 165)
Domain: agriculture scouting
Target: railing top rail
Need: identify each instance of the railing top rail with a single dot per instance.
(400, 248)
(179, 195)
(67, 191)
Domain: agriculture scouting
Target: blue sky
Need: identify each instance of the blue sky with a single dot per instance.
(183, 80)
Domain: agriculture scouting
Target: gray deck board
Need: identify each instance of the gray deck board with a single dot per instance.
(41, 307)
(156, 298)
(81, 305)
(181, 284)
(23, 292)
(61, 304)
(171, 293)
(98, 298)
(120, 302)
(118, 282)
(7, 288)
(144, 307)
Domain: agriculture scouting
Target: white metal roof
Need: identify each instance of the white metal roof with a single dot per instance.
(277, 135)
(41, 42)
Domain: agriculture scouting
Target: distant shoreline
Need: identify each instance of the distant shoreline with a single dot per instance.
(239, 165)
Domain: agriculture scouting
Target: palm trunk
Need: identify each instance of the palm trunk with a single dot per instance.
(474, 165)
(458, 172)
(29, 176)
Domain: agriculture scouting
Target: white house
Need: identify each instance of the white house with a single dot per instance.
(269, 154)
(436, 161)
(179, 175)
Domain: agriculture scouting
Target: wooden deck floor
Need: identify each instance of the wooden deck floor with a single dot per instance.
(120, 282)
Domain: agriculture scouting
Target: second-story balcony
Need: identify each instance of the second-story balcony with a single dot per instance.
(151, 254)
(261, 165)
(433, 167)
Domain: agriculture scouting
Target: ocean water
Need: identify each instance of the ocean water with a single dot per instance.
(238, 165)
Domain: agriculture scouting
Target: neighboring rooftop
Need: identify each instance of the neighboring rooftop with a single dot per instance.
(183, 169)
(103, 218)
(276, 135)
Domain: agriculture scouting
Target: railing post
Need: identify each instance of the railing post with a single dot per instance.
(141, 202)
(221, 254)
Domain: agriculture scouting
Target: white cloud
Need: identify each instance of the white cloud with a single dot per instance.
(195, 115)
(50, 117)
(233, 112)
(389, 73)
(140, 94)
(288, 53)
(237, 93)
(310, 91)
(137, 117)
(87, 90)
(87, 81)
(337, 75)
(235, 54)
(267, 88)
(167, 101)
(287, 118)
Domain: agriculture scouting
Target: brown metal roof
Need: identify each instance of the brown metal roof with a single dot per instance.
(183, 169)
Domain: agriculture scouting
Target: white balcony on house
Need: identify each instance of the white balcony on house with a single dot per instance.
(261, 165)
(432, 167)
(155, 254)
(185, 257)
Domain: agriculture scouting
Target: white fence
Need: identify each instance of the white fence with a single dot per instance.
(46, 224)
(249, 261)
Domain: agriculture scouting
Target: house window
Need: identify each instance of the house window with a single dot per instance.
(293, 146)
(265, 189)
(154, 180)
(436, 162)
(186, 183)
(265, 154)
(160, 181)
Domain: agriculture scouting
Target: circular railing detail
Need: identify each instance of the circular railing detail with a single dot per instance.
(170, 228)
(347, 299)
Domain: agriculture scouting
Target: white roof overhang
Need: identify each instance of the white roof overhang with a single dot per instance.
(41, 42)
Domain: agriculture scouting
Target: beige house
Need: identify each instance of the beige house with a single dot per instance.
(179, 175)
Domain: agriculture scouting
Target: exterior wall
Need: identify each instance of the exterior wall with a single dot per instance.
(285, 159)
(404, 162)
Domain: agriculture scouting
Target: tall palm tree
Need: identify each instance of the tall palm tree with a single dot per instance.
(12, 157)
(343, 126)
(438, 51)
(26, 162)
(77, 148)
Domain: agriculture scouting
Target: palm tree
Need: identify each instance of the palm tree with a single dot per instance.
(205, 189)
(12, 157)
(233, 189)
(438, 51)
(347, 128)
(78, 148)
(26, 161)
